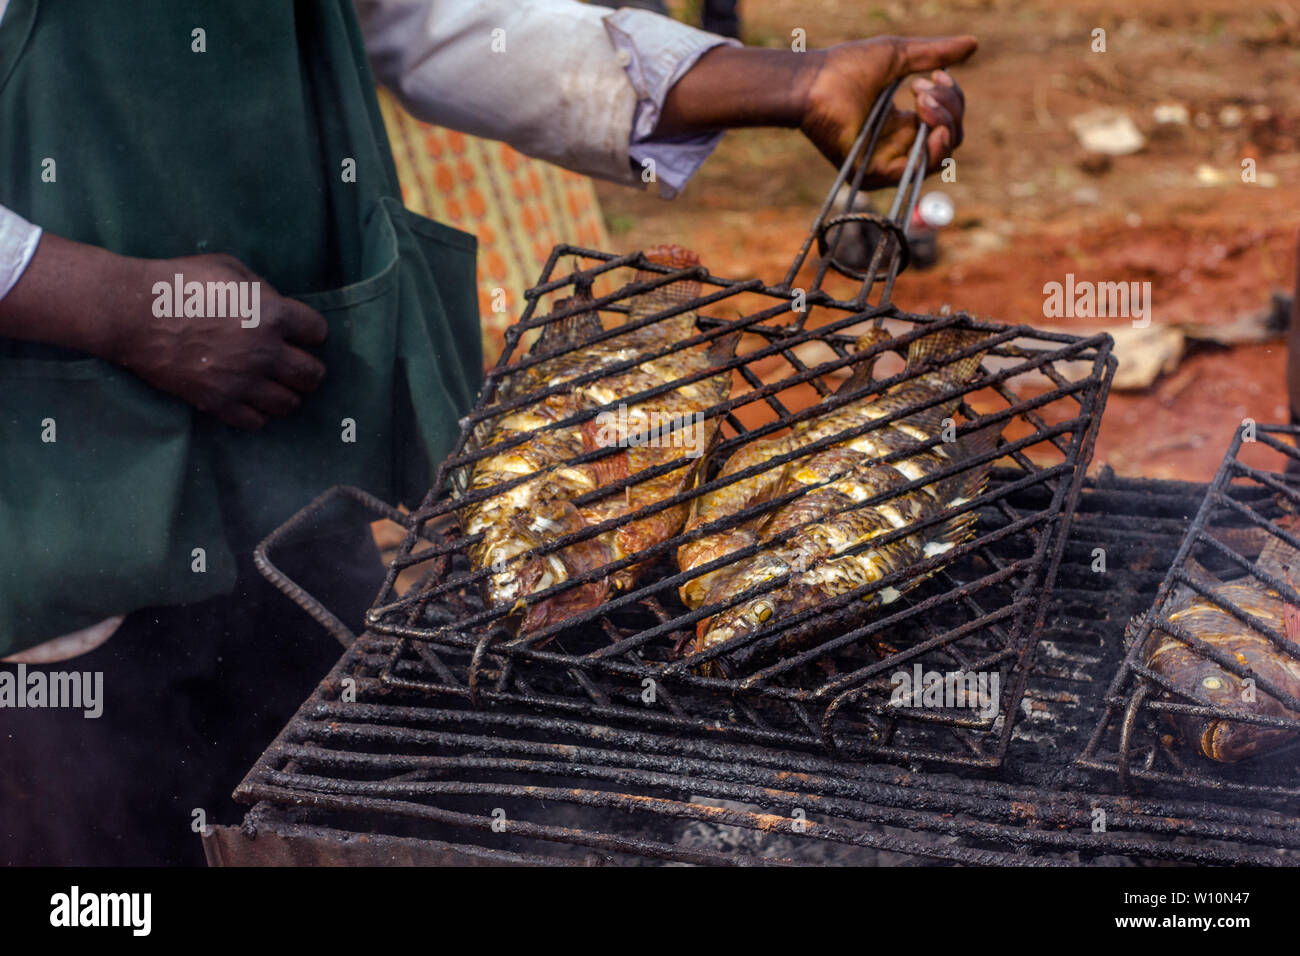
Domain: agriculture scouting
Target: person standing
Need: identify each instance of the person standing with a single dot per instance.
(213, 306)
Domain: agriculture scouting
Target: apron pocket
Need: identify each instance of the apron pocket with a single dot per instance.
(402, 364)
(441, 350)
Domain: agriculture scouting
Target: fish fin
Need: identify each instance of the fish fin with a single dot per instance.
(539, 572)
(1201, 574)
(1276, 557)
(971, 482)
(578, 327)
(956, 530)
(723, 348)
(965, 486)
(1291, 614)
(864, 372)
(938, 346)
(610, 468)
(1183, 595)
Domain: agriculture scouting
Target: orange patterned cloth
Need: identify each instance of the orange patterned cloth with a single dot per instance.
(520, 208)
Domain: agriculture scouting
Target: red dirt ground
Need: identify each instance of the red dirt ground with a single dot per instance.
(1030, 207)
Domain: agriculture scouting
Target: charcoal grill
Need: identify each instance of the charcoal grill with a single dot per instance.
(977, 615)
(370, 770)
(1131, 739)
(439, 737)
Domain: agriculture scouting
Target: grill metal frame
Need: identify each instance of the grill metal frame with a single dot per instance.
(1238, 496)
(999, 610)
(585, 781)
(446, 745)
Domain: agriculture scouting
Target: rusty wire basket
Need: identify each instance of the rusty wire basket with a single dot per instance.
(1152, 732)
(976, 614)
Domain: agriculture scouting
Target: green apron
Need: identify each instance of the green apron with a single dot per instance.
(161, 151)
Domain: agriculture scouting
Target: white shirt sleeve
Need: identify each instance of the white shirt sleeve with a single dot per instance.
(18, 242)
(577, 85)
(658, 51)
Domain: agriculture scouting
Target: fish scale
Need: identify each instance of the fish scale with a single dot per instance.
(828, 552)
(513, 525)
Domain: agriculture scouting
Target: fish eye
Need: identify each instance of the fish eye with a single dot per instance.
(762, 611)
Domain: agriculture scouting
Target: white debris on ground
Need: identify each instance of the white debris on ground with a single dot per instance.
(1108, 131)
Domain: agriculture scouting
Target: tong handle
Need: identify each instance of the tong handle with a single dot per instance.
(891, 253)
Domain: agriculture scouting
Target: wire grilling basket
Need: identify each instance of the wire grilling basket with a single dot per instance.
(960, 621)
(1211, 674)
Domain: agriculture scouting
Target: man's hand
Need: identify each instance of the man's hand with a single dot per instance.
(85, 298)
(851, 75)
(827, 94)
(240, 375)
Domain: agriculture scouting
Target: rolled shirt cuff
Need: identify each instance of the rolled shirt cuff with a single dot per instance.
(656, 52)
(18, 242)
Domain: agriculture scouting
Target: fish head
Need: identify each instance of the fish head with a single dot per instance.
(751, 616)
(1220, 739)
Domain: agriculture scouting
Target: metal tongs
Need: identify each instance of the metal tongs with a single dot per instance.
(890, 254)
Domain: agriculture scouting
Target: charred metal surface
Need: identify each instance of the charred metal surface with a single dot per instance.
(535, 771)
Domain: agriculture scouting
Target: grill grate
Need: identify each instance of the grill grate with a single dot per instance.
(588, 780)
(1045, 392)
(1137, 737)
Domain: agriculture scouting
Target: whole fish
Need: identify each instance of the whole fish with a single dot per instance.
(665, 429)
(824, 519)
(1228, 741)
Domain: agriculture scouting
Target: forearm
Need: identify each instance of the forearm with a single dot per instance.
(70, 295)
(731, 87)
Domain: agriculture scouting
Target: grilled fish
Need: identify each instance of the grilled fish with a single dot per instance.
(1228, 741)
(553, 500)
(823, 518)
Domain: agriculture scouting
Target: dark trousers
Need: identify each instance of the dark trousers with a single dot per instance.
(192, 696)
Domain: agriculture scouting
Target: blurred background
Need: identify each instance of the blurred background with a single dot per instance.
(1185, 91)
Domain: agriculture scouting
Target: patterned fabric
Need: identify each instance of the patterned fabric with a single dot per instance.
(520, 208)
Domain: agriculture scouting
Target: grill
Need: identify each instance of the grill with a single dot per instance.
(976, 614)
(443, 736)
(1240, 510)
(369, 769)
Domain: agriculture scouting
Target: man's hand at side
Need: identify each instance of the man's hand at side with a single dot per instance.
(85, 298)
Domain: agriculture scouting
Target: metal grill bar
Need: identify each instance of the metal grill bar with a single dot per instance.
(1138, 697)
(437, 762)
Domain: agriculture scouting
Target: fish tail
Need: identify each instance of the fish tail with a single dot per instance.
(672, 294)
(936, 349)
